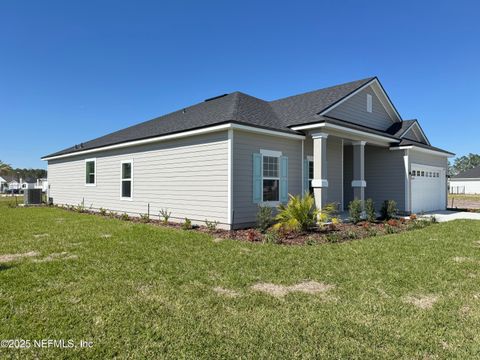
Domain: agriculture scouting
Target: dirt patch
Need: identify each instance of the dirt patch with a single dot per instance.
(13, 257)
(461, 259)
(39, 236)
(106, 236)
(226, 292)
(422, 301)
(308, 287)
(57, 256)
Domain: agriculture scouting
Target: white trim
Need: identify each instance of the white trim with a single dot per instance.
(129, 161)
(373, 81)
(270, 153)
(320, 183)
(420, 149)
(359, 183)
(408, 194)
(310, 158)
(94, 173)
(344, 129)
(273, 204)
(464, 179)
(361, 143)
(343, 184)
(230, 177)
(319, 135)
(303, 168)
(181, 135)
(369, 103)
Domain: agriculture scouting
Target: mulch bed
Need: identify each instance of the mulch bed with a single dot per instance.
(327, 234)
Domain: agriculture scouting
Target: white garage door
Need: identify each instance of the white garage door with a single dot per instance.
(428, 188)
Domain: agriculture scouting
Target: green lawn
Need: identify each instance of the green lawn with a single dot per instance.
(139, 291)
(474, 197)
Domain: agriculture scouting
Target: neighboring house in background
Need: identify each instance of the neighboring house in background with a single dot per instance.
(17, 185)
(41, 184)
(222, 158)
(467, 182)
(3, 185)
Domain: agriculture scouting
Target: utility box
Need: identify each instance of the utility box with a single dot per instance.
(32, 197)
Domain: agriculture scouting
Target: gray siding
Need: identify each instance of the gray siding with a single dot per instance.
(244, 145)
(334, 167)
(355, 110)
(385, 176)
(188, 176)
(414, 134)
(427, 159)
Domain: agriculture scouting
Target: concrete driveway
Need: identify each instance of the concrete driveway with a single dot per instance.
(448, 215)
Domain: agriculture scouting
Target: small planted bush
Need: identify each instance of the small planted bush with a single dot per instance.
(165, 215)
(264, 218)
(355, 211)
(271, 237)
(389, 209)
(144, 218)
(187, 224)
(103, 211)
(370, 210)
(300, 214)
(211, 225)
(124, 216)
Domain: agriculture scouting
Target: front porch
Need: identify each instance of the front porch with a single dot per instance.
(343, 167)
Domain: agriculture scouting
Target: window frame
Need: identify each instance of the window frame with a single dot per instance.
(278, 155)
(94, 160)
(129, 161)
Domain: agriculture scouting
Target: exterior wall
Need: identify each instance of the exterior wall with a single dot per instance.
(355, 110)
(244, 145)
(470, 186)
(187, 176)
(334, 167)
(385, 176)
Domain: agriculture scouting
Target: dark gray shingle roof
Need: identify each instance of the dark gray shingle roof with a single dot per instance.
(469, 174)
(399, 128)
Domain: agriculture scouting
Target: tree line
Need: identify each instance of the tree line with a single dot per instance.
(6, 169)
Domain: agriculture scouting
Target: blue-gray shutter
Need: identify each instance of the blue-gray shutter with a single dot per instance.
(283, 179)
(257, 178)
(306, 181)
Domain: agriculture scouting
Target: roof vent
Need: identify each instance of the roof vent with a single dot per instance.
(215, 97)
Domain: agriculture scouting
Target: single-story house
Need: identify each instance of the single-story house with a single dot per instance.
(466, 182)
(17, 184)
(222, 158)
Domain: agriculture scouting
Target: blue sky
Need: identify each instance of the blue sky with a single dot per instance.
(73, 71)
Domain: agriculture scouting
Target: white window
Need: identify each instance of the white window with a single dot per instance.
(271, 178)
(126, 188)
(90, 172)
(369, 103)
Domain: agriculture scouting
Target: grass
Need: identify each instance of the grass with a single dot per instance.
(472, 197)
(138, 291)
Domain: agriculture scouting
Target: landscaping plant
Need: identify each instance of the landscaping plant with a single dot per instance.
(300, 214)
(355, 211)
(264, 218)
(165, 215)
(389, 209)
(370, 211)
(187, 225)
(211, 225)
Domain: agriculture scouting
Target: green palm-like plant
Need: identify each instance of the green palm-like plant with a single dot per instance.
(300, 214)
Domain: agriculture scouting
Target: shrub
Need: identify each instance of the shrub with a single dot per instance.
(124, 216)
(311, 240)
(145, 218)
(165, 215)
(355, 211)
(389, 209)
(333, 238)
(112, 214)
(211, 225)
(271, 237)
(392, 222)
(187, 224)
(300, 214)
(334, 222)
(103, 211)
(327, 213)
(81, 207)
(264, 218)
(370, 210)
(372, 232)
(390, 229)
(351, 234)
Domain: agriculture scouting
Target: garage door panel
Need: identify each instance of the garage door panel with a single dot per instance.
(428, 188)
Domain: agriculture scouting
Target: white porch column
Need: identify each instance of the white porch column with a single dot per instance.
(359, 184)
(320, 182)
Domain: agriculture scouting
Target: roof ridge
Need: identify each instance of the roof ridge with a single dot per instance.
(363, 81)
